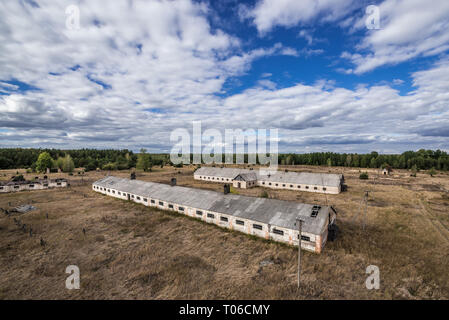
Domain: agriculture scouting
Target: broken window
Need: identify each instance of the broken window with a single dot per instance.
(161, 203)
(315, 210)
(210, 215)
(198, 212)
(257, 226)
(170, 206)
(315, 188)
(181, 208)
(324, 189)
(304, 238)
(279, 232)
(152, 201)
(224, 219)
(145, 200)
(240, 222)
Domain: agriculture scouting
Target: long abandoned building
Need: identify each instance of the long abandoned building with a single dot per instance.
(38, 184)
(265, 218)
(299, 181)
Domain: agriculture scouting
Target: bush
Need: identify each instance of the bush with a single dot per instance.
(29, 170)
(18, 178)
(91, 166)
(363, 176)
(110, 166)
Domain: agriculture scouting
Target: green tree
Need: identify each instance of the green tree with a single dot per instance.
(143, 160)
(329, 162)
(59, 163)
(43, 162)
(67, 164)
(414, 170)
(363, 176)
(348, 160)
(432, 172)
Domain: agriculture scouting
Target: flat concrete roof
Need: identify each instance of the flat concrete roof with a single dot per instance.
(279, 213)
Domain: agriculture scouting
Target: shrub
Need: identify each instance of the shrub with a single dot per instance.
(18, 178)
(110, 166)
(363, 176)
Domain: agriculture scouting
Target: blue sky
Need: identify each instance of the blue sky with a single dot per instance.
(126, 74)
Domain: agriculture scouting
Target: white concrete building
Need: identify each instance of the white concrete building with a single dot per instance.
(266, 218)
(299, 181)
(14, 186)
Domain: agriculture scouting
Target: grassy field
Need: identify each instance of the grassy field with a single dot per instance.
(130, 251)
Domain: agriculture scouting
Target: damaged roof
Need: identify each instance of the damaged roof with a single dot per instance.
(279, 213)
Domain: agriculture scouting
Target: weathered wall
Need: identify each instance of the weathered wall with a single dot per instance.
(289, 236)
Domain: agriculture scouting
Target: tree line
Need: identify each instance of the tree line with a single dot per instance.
(91, 159)
(421, 160)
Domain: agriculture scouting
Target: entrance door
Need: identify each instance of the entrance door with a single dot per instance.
(239, 185)
(129, 197)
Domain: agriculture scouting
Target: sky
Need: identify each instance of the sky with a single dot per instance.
(341, 76)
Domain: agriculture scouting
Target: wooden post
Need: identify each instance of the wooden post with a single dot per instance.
(366, 209)
(299, 222)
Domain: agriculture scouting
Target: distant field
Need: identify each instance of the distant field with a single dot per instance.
(130, 251)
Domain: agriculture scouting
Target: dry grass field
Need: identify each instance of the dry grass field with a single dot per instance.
(133, 252)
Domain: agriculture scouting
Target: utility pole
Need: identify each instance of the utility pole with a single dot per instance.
(299, 221)
(366, 208)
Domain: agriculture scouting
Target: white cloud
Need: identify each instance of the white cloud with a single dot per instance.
(148, 67)
(268, 14)
(409, 29)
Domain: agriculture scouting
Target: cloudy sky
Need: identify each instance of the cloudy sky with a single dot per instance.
(131, 72)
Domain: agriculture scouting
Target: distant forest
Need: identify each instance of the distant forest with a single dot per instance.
(91, 159)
